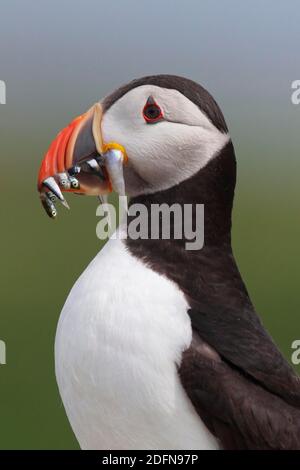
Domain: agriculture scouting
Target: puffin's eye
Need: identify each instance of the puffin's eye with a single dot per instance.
(152, 112)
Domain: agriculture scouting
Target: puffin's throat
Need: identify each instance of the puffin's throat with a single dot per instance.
(213, 187)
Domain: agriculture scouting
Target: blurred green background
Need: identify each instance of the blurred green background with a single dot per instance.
(59, 57)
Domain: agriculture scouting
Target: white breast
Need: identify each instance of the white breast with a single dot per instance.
(119, 340)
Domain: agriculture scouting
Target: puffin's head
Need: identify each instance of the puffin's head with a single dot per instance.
(157, 131)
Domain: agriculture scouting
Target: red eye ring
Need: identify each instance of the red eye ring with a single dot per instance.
(152, 112)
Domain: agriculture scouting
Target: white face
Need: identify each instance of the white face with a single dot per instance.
(166, 152)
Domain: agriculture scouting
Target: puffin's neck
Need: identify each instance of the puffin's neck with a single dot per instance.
(213, 186)
(209, 274)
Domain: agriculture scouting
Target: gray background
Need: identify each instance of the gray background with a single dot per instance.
(59, 57)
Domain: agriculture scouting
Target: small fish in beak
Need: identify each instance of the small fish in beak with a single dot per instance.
(78, 161)
(48, 204)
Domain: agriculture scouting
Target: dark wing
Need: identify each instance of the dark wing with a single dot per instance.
(238, 381)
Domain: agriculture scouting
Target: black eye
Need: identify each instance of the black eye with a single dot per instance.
(152, 112)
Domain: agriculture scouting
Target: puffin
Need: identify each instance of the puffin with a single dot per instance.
(158, 346)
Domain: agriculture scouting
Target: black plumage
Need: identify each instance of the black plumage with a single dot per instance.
(238, 381)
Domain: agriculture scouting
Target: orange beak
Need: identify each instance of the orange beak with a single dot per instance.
(78, 161)
(80, 141)
(73, 161)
